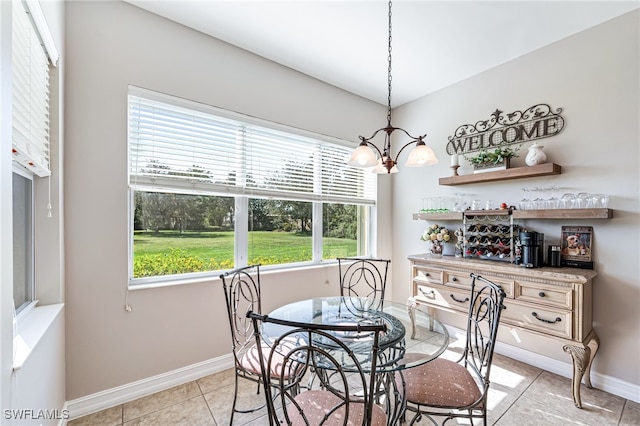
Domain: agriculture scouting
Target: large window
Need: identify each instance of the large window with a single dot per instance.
(212, 190)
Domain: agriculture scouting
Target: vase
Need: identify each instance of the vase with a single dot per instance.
(535, 155)
(436, 248)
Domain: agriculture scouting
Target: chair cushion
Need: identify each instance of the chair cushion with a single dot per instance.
(317, 403)
(250, 361)
(439, 383)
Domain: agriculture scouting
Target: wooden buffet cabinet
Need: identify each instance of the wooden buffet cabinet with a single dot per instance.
(552, 302)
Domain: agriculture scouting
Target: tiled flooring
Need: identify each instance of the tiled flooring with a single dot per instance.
(521, 395)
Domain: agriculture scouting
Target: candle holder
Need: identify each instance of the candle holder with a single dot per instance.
(455, 170)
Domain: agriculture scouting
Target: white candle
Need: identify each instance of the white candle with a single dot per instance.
(454, 160)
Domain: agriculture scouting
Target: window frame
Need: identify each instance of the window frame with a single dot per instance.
(241, 237)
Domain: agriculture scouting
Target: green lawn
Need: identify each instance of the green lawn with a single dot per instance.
(169, 252)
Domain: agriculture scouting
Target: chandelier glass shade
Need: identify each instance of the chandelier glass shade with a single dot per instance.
(367, 154)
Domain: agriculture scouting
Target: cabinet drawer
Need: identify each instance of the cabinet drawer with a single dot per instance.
(547, 295)
(463, 280)
(430, 275)
(556, 322)
(444, 297)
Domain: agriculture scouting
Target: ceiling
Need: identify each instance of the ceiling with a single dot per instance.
(344, 43)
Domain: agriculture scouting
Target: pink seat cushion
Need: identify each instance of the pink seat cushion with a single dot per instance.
(439, 383)
(251, 359)
(317, 403)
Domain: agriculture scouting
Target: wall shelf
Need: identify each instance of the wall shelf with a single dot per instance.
(438, 216)
(522, 214)
(545, 169)
(563, 214)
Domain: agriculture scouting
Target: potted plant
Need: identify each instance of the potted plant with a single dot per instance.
(498, 158)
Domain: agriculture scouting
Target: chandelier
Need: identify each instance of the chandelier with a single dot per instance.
(364, 156)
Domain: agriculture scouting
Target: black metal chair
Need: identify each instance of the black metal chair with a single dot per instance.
(242, 294)
(451, 389)
(363, 277)
(342, 396)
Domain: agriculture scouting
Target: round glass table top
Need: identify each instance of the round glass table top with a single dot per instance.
(408, 329)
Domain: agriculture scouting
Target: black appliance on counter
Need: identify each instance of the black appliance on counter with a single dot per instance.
(532, 249)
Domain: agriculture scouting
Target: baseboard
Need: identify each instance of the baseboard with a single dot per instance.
(603, 382)
(111, 397)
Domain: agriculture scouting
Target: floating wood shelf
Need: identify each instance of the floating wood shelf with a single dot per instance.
(438, 216)
(522, 214)
(564, 214)
(545, 169)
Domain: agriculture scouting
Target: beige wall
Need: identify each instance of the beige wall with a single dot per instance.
(594, 77)
(111, 45)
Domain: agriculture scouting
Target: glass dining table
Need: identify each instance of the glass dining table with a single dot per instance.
(412, 337)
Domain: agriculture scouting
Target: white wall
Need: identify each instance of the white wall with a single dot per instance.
(111, 45)
(594, 77)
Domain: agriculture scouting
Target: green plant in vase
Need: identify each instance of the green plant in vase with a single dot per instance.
(493, 157)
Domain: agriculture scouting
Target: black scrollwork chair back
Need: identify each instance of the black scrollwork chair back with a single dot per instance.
(242, 294)
(339, 396)
(363, 277)
(450, 389)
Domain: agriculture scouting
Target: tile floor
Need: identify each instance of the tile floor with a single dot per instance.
(521, 395)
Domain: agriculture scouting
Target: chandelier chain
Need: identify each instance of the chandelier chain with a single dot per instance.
(389, 73)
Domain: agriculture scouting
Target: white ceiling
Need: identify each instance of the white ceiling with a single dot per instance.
(344, 43)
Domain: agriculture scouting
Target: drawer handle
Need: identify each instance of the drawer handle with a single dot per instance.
(454, 279)
(558, 319)
(426, 274)
(428, 293)
(466, 299)
(541, 294)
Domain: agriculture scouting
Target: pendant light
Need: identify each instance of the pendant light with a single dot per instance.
(364, 156)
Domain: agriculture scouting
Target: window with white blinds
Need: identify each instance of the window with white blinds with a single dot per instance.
(181, 146)
(30, 95)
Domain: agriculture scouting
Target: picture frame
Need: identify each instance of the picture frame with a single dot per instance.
(577, 247)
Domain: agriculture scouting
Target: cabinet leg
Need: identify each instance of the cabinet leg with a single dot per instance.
(593, 344)
(582, 359)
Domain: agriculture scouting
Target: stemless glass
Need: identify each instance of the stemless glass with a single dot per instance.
(566, 202)
(581, 200)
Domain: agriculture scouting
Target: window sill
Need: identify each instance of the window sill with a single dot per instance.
(264, 270)
(30, 330)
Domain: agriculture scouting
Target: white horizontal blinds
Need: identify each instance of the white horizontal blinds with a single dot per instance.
(175, 148)
(343, 183)
(30, 80)
(279, 162)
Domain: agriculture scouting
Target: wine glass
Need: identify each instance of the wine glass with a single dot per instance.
(524, 204)
(553, 202)
(538, 202)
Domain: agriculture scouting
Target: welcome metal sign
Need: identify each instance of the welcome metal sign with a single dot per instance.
(536, 122)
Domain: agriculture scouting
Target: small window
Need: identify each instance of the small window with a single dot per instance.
(23, 251)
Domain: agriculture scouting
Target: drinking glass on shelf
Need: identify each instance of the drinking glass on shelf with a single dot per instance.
(538, 202)
(581, 200)
(566, 201)
(603, 201)
(598, 201)
(525, 203)
(553, 202)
